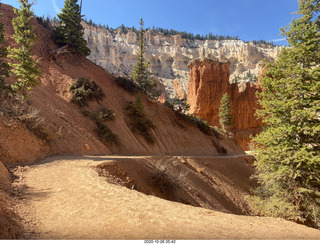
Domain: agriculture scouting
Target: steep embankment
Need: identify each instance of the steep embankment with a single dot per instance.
(71, 132)
(10, 227)
(209, 81)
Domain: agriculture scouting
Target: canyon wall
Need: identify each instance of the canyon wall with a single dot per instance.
(209, 81)
(169, 56)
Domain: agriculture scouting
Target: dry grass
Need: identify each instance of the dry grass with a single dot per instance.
(15, 108)
(163, 178)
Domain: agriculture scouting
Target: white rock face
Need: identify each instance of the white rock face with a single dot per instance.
(169, 55)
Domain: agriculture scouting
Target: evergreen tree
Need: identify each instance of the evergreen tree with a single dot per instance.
(225, 112)
(141, 71)
(70, 31)
(140, 123)
(288, 150)
(4, 67)
(138, 106)
(24, 68)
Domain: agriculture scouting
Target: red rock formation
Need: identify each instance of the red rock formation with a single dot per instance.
(209, 80)
(162, 90)
(178, 88)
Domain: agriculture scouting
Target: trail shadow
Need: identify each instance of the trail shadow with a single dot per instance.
(30, 194)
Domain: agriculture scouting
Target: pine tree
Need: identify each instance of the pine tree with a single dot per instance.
(4, 67)
(288, 150)
(24, 68)
(225, 112)
(70, 31)
(141, 71)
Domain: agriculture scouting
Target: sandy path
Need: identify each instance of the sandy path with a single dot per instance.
(64, 198)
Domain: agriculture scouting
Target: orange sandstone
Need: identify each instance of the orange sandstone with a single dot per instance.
(209, 80)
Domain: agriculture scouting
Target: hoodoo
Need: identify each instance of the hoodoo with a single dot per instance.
(209, 80)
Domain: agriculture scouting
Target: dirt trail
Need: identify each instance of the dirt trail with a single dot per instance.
(63, 198)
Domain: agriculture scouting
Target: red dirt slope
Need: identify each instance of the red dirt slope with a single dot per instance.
(70, 132)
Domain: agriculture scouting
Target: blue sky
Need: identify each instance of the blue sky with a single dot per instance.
(248, 19)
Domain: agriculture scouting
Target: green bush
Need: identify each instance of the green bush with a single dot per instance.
(179, 106)
(84, 91)
(201, 124)
(45, 22)
(273, 207)
(132, 87)
(103, 131)
(105, 115)
(206, 129)
(169, 104)
(127, 84)
(85, 113)
(139, 121)
(105, 134)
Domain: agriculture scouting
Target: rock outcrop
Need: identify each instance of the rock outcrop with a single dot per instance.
(169, 56)
(209, 81)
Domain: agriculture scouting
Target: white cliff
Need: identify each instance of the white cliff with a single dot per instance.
(169, 55)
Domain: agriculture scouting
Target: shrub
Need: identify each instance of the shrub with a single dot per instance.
(179, 106)
(127, 84)
(19, 109)
(132, 87)
(105, 115)
(103, 131)
(139, 121)
(162, 179)
(105, 134)
(45, 22)
(84, 91)
(169, 104)
(85, 113)
(201, 124)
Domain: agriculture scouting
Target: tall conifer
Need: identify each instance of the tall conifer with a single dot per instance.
(24, 68)
(225, 112)
(141, 71)
(288, 150)
(4, 67)
(70, 31)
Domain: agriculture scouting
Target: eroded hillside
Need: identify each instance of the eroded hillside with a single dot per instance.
(70, 131)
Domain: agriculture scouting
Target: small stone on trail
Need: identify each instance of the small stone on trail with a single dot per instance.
(87, 147)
